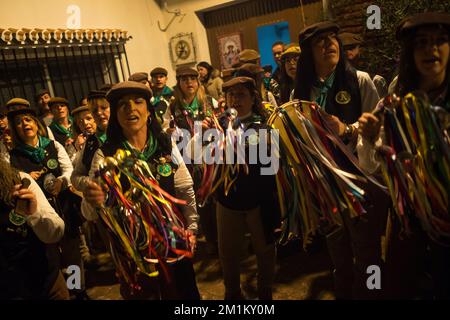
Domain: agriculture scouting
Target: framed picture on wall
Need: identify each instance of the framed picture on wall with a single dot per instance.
(229, 47)
(182, 50)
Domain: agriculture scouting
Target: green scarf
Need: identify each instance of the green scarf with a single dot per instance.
(149, 149)
(101, 136)
(166, 91)
(324, 87)
(34, 154)
(192, 108)
(67, 132)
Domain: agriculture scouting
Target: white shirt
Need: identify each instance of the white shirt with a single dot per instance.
(45, 222)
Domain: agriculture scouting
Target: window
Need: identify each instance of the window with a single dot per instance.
(67, 62)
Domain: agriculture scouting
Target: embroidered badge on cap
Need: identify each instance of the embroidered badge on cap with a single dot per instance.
(343, 97)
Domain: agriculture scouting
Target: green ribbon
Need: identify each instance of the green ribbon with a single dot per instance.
(323, 87)
(35, 154)
(101, 136)
(149, 149)
(192, 107)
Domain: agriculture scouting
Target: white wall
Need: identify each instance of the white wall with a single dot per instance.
(148, 47)
(191, 23)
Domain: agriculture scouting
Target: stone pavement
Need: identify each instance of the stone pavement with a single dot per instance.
(298, 277)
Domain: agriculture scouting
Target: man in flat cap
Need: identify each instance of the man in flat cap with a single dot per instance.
(42, 99)
(61, 125)
(162, 94)
(344, 93)
(249, 56)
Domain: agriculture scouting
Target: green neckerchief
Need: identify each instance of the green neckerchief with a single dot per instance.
(35, 154)
(166, 91)
(67, 132)
(101, 136)
(323, 87)
(149, 149)
(192, 107)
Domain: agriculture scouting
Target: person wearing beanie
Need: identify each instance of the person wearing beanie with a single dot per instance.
(133, 127)
(210, 79)
(162, 94)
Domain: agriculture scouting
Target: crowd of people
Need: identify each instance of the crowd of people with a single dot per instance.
(51, 154)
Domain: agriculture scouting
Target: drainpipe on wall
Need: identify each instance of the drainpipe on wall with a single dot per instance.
(327, 12)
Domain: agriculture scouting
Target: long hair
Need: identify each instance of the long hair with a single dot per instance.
(306, 72)
(208, 67)
(15, 136)
(286, 83)
(179, 96)
(409, 76)
(115, 135)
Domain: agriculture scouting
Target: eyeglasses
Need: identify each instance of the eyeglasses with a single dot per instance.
(291, 60)
(424, 41)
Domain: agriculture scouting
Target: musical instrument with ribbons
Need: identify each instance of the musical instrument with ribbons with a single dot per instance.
(215, 175)
(145, 226)
(312, 187)
(415, 162)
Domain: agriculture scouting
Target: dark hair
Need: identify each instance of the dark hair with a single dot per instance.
(409, 76)
(115, 134)
(286, 82)
(277, 43)
(258, 107)
(208, 67)
(306, 71)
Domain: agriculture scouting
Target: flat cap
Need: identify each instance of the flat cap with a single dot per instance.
(248, 55)
(349, 39)
(41, 92)
(158, 70)
(315, 29)
(127, 87)
(79, 109)
(426, 18)
(291, 50)
(58, 100)
(26, 110)
(95, 94)
(249, 82)
(186, 71)
(17, 102)
(139, 77)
